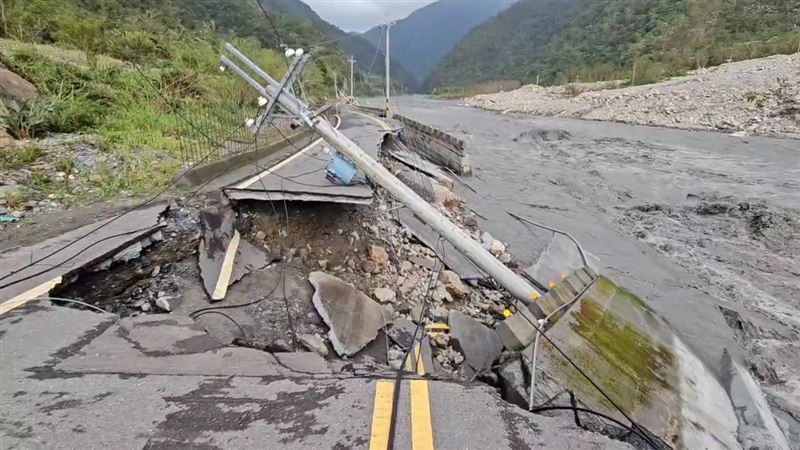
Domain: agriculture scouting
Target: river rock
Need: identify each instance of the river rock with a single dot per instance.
(353, 318)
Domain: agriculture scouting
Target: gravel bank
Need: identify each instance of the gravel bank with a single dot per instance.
(758, 96)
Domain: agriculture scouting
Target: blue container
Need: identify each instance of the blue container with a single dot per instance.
(341, 170)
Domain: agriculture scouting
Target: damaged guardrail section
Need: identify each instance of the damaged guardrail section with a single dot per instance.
(436, 145)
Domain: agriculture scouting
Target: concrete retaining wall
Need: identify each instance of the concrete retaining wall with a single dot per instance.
(436, 145)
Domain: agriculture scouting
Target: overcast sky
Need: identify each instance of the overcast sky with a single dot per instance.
(361, 15)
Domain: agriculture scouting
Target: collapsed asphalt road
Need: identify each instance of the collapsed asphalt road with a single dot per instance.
(79, 379)
(704, 226)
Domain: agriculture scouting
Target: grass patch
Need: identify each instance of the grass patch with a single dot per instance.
(14, 158)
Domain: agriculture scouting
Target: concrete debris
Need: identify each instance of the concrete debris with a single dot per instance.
(163, 303)
(314, 343)
(478, 343)
(452, 282)
(224, 257)
(514, 386)
(517, 332)
(453, 259)
(100, 241)
(134, 251)
(560, 257)
(402, 332)
(354, 319)
(305, 180)
(384, 295)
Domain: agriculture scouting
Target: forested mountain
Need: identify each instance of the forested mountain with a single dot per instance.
(561, 40)
(369, 59)
(421, 40)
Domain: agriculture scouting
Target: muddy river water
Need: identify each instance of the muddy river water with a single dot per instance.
(704, 226)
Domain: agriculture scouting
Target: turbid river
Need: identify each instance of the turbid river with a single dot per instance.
(704, 226)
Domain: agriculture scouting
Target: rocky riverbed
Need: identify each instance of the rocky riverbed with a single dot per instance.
(756, 97)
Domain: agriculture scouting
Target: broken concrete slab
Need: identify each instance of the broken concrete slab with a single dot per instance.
(516, 332)
(71, 251)
(302, 176)
(313, 343)
(224, 257)
(418, 163)
(560, 257)
(402, 332)
(453, 259)
(478, 343)
(512, 380)
(374, 354)
(353, 318)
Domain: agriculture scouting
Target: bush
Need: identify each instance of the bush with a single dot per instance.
(25, 120)
(648, 71)
(73, 115)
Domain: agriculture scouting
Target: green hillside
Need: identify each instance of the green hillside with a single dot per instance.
(561, 40)
(80, 54)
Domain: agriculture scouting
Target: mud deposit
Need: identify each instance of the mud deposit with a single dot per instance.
(704, 226)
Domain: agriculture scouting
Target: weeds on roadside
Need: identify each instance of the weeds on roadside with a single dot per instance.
(13, 158)
(26, 119)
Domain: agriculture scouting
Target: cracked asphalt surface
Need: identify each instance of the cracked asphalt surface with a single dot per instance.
(79, 380)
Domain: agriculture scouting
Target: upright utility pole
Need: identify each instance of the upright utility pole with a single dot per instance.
(352, 77)
(387, 111)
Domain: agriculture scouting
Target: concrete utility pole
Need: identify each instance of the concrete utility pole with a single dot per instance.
(515, 284)
(352, 76)
(387, 111)
(335, 85)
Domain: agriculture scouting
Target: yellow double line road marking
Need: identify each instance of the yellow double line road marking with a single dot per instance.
(32, 294)
(421, 428)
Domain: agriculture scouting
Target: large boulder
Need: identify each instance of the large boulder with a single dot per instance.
(15, 88)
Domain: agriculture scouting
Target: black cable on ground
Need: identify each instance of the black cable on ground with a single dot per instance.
(578, 409)
(241, 330)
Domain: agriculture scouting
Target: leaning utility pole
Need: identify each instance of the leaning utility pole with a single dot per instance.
(352, 77)
(387, 111)
(462, 241)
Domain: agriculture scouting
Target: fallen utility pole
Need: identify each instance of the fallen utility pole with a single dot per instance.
(515, 284)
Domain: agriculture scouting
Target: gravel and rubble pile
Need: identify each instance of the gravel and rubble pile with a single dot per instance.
(757, 96)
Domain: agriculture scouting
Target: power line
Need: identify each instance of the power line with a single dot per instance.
(143, 204)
